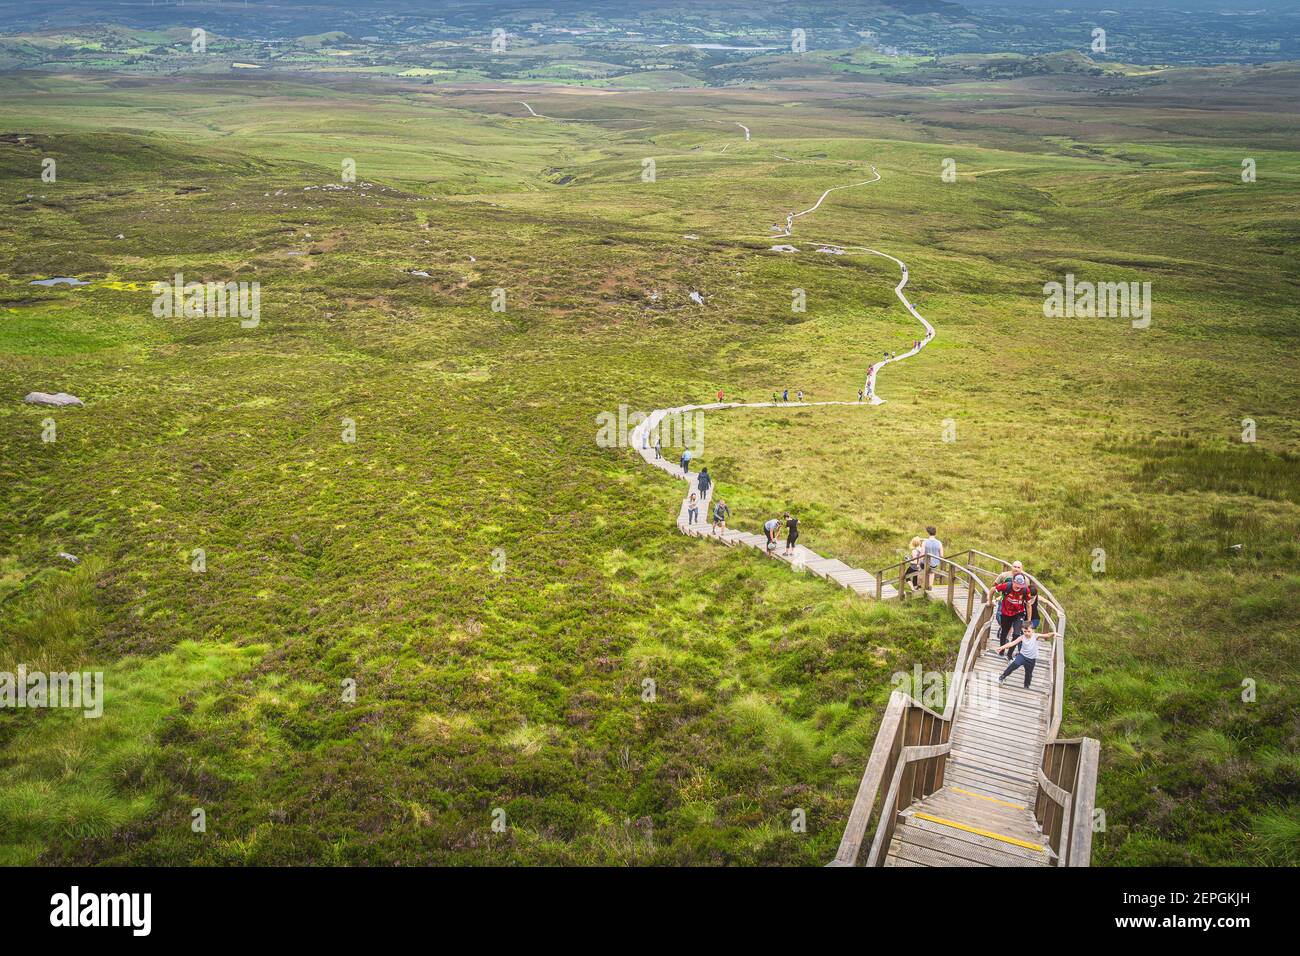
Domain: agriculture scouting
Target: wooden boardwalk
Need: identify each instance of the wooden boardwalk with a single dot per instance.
(983, 813)
(985, 783)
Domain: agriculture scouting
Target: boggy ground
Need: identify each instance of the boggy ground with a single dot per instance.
(499, 587)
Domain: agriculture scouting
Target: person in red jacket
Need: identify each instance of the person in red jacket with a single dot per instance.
(1014, 597)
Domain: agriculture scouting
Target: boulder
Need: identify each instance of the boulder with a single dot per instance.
(57, 400)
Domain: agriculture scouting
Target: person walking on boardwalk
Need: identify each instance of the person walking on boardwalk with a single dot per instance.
(1026, 657)
(686, 461)
(916, 562)
(798, 396)
(934, 548)
(770, 528)
(791, 533)
(720, 515)
(774, 398)
(719, 394)
(785, 396)
(860, 395)
(1014, 597)
(692, 509)
(703, 483)
(1018, 568)
(659, 450)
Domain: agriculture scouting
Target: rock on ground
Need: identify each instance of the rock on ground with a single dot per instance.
(58, 400)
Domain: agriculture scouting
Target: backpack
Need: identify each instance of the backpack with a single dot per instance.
(1010, 604)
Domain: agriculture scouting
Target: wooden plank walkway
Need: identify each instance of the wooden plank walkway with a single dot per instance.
(983, 814)
(858, 580)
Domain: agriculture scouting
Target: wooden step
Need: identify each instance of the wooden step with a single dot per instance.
(980, 813)
(991, 787)
(974, 848)
(979, 748)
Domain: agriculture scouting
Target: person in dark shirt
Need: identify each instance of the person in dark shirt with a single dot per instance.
(720, 515)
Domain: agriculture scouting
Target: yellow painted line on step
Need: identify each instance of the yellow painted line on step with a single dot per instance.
(980, 796)
(977, 831)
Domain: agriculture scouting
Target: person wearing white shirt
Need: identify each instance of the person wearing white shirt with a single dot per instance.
(1026, 657)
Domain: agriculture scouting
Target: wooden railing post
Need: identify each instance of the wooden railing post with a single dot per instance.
(1079, 850)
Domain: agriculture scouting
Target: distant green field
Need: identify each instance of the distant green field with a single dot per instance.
(500, 588)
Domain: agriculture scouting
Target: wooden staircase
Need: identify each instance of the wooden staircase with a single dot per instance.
(987, 782)
(983, 814)
(957, 827)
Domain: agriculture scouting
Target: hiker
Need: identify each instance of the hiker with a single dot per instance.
(692, 509)
(774, 398)
(770, 528)
(1018, 568)
(720, 515)
(934, 548)
(686, 461)
(860, 395)
(798, 396)
(1013, 599)
(659, 450)
(704, 482)
(719, 394)
(1026, 657)
(785, 396)
(791, 533)
(916, 560)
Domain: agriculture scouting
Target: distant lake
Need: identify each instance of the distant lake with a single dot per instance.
(59, 280)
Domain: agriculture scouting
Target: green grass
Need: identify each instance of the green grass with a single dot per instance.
(372, 561)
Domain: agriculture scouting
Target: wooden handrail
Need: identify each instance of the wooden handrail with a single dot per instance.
(968, 654)
(1067, 790)
(904, 717)
(864, 804)
(907, 757)
(1067, 777)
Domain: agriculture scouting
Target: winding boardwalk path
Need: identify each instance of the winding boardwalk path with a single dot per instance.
(984, 760)
(988, 782)
(856, 579)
